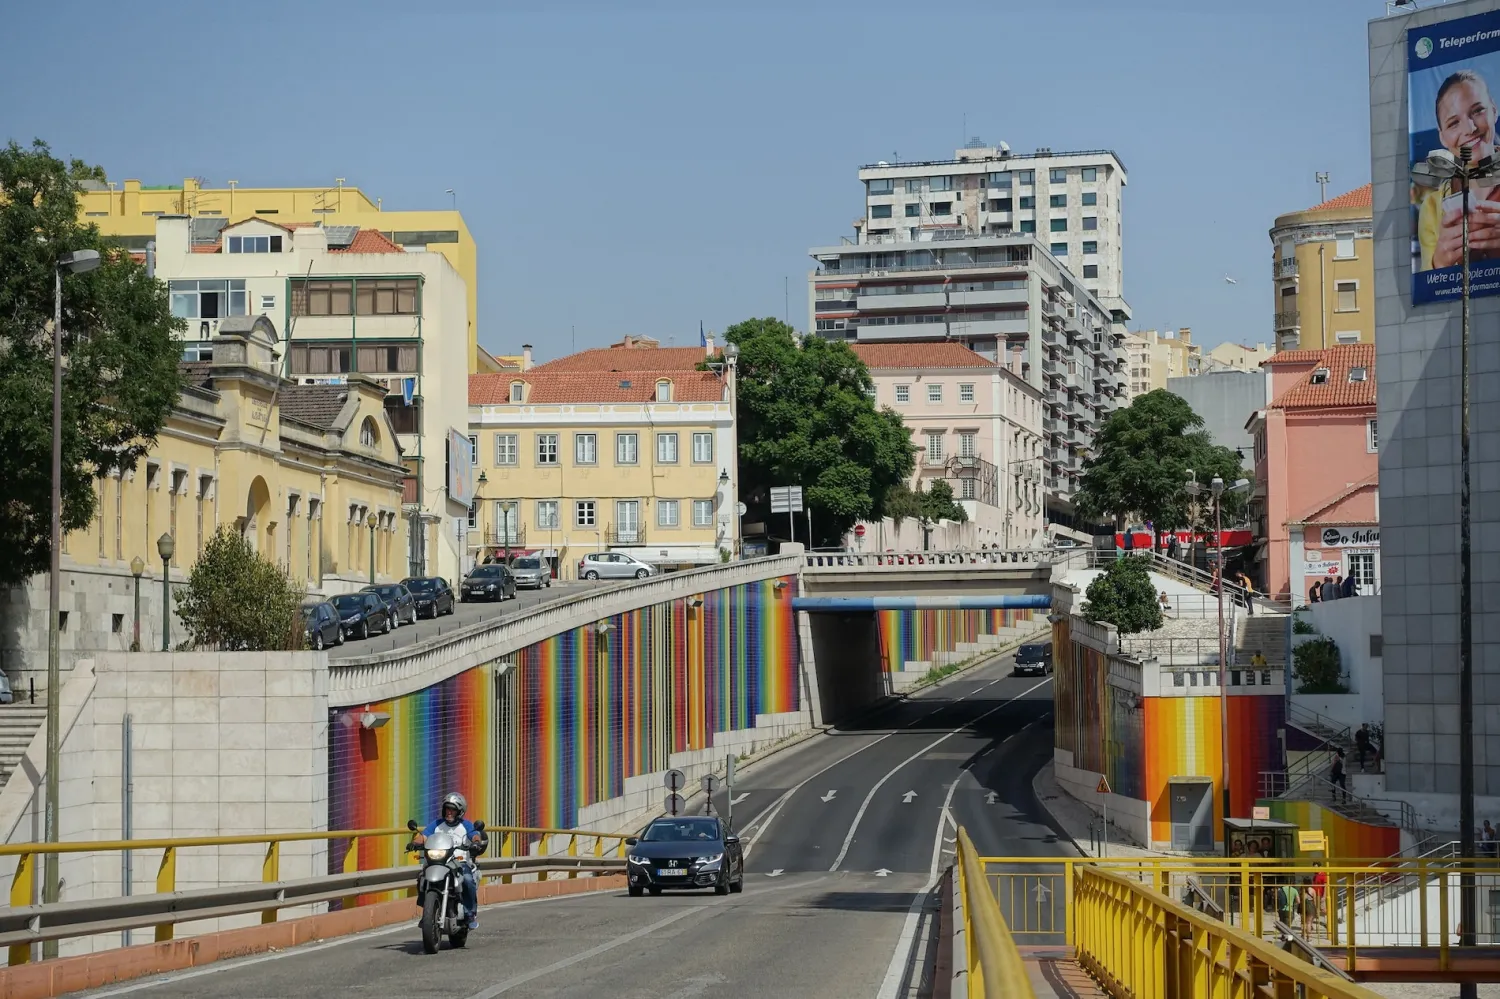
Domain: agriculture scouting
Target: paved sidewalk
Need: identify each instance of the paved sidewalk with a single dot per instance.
(1074, 817)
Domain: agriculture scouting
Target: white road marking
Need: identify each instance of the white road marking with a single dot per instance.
(777, 873)
(989, 799)
(697, 986)
(906, 798)
(896, 970)
(739, 798)
(830, 795)
(865, 805)
(884, 872)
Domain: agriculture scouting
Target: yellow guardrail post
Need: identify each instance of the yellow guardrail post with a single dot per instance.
(1422, 897)
(572, 852)
(166, 883)
(995, 966)
(1349, 955)
(507, 849)
(351, 864)
(1069, 917)
(22, 889)
(1443, 934)
(270, 872)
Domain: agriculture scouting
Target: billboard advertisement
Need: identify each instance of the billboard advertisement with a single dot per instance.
(460, 468)
(1452, 73)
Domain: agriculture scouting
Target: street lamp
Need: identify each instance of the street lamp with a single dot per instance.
(137, 566)
(165, 546)
(1009, 499)
(76, 262)
(370, 522)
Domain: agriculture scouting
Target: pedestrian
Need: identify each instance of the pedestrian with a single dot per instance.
(1174, 549)
(1362, 744)
(1337, 775)
(1309, 907)
(1333, 588)
(1315, 592)
(1258, 661)
(1319, 891)
(1249, 593)
(1351, 587)
(1487, 838)
(1287, 899)
(1166, 603)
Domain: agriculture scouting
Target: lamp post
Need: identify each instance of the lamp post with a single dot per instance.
(731, 368)
(76, 262)
(137, 566)
(165, 546)
(370, 522)
(1009, 504)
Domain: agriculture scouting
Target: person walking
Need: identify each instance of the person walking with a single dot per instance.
(1315, 592)
(1362, 744)
(1249, 593)
(1337, 776)
(1333, 588)
(1309, 906)
(1351, 586)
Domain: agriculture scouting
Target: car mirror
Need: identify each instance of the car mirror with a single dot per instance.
(631, 841)
(731, 840)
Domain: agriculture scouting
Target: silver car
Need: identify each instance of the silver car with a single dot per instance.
(531, 572)
(613, 565)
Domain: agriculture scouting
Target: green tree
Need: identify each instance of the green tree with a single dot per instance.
(926, 506)
(121, 378)
(1123, 595)
(1141, 459)
(239, 600)
(806, 418)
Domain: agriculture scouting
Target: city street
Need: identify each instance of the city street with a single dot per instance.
(464, 614)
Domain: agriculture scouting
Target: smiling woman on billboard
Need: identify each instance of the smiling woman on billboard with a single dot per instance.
(1465, 117)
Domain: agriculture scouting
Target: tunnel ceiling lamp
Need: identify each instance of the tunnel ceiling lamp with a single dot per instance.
(373, 719)
(603, 626)
(695, 601)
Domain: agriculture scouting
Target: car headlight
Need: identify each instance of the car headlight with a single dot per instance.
(436, 854)
(643, 861)
(712, 861)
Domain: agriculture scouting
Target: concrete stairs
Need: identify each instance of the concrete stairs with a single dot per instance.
(1264, 632)
(19, 724)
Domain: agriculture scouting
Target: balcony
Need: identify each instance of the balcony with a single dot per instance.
(1286, 267)
(513, 537)
(1049, 365)
(1054, 426)
(912, 300)
(1050, 336)
(627, 535)
(1283, 321)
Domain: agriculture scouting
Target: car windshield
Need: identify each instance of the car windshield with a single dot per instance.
(485, 572)
(418, 584)
(1033, 651)
(388, 591)
(679, 830)
(349, 601)
(528, 563)
(308, 612)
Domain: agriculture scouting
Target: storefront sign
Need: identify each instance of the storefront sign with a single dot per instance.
(1323, 567)
(1351, 537)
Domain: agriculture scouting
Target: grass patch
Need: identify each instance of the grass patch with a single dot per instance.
(938, 673)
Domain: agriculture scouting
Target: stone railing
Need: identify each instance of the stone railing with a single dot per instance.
(907, 561)
(364, 679)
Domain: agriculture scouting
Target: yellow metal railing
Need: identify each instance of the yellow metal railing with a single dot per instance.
(504, 840)
(1137, 941)
(995, 968)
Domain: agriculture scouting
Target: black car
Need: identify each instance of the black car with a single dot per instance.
(398, 602)
(362, 614)
(1036, 658)
(488, 582)
(685, 851)
(431, 594)
(321, 623)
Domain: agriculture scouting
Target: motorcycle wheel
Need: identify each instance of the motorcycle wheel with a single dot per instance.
(432, 920)
(458, 938)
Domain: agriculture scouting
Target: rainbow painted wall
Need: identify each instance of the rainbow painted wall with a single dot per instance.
(1094, 720)
(571, 718)
(1347, 839)
(915, 635)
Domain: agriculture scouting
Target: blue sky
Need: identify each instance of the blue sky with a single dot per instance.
(636, 167)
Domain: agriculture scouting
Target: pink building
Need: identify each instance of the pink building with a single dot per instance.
(1317, 499)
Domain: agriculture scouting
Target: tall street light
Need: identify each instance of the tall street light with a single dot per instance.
(76, 262)
(370, 522)
(165, 547)
(1441, 167)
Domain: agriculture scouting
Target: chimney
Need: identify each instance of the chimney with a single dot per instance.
(525, 357)
(708, 344)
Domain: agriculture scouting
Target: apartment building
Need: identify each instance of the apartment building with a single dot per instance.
(975, 424)
(1151, 357)
(129, 210)
(628, 448)
(345, 301)
(1236, 357)
(1323, 274)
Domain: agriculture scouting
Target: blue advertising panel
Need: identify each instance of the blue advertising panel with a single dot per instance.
(1452, 69)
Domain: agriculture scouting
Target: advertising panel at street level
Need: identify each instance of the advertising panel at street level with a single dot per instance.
(1452, 74)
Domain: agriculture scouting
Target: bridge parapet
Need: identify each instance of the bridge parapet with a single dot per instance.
(891, 562)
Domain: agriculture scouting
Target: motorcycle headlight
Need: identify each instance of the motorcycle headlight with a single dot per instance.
(436, 854)
(712, 861)
(643, 861)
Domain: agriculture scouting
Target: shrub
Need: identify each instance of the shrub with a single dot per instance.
(236, 600)
(1301, 627)
(1318, 667)
(1124, 596)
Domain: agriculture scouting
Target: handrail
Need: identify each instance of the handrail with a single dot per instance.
(1407, 813)
(1294, 710)
(959, 556)
(996, 970)
(1295, 943)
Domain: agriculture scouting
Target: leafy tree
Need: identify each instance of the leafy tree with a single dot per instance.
(1318, 667)
(239, 600)
(926, 506)
(1141, 459)
(1123, 595)
(806, 418)
(121, 378)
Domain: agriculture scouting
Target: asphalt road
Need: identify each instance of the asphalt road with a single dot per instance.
(844, 836)
(463, 614)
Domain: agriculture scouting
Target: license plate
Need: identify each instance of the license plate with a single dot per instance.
(671, 873)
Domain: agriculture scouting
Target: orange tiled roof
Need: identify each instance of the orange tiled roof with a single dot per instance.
(1338, 390)
(634, 358)
(919, 355)
(1360, 197)
(365, 240)
(550, 386)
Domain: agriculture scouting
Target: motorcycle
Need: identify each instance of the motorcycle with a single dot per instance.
(440, 887)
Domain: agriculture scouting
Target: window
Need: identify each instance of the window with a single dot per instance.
(882, 186)
(585, 449)
(1090, 271)
(322, 298)
(703, 448)
(1090, 247)
(1372, 442)
(386, 298)
(663, 390)
(880, 211)
(666, 449)
(1348, 296)
(666, 513)
(546, 449)
(344, 297)
(517, 391)
(627, 521)
(583, 513)
(999, 180)
(703, 513)
(914, 185)
(627, 451)
(268, 303)
(474, 515)
(935, 392)
(999, 204)
(967, 444)
(1343, 245)
(546, 515)
(1058, 201)
(473, 443)
(254, 244)
(505, 449)
(966, 489)
(207, 299)
(913, 210)
(966, 392)
(1090, 198)
(1027, 201)
(1090, 223)
(1025, 176)
(1346, 336)
(934, 447)
(940, 184)
(1088, 174)
(903, 393)
(1028, 225)
(940, 208)
(1059, 249)
(1319, 377)
(1058, 175)
(1359, 374)
(1059, 225)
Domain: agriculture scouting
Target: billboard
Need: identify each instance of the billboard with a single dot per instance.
(460, 468)
(1452, 75)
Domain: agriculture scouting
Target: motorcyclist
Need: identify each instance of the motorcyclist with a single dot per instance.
(452, 821)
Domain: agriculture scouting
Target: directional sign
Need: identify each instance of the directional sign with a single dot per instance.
(1041, 892)
(1103, 787)
(786, 499)
(674, 780)
(989, 799)
(675, 804)
(710, 784)
(829, 795)
(906, 798)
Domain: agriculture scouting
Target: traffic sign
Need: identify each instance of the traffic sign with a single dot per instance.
(859, 530)
(786, 499)
(676, 804)
(709, 783)
(674, 780)
(1103, 787)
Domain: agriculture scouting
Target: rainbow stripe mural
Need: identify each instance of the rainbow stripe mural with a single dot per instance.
(573, 716)
(913, 636)
(1097, 722)
(1347, 839)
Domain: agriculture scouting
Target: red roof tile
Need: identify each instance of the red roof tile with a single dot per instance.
(365, 240)
(1337, 390)
(1360, 197)
(943, 354)
(640, 357)
(550, 386)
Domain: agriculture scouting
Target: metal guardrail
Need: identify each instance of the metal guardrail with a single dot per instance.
(995, 968)
(903, 560)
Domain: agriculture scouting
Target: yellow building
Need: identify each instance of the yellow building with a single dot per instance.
(1153, 357)
(628, 448)
(1237, 356)
(130, 210)
(1323, 274)
(310, 473)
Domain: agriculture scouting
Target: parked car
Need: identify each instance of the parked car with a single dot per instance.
(488, 582)
(613, 565)
(531, 572)
(398, 602)
(362, 614)
(321, 622)
(1035, 658)
(431, 594)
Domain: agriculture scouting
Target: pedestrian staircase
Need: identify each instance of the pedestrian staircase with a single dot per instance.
(19, 724)
(1263, 632)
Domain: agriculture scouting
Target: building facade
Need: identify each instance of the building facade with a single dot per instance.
(350, 302)
(1225, 398)
(1316, 500)
(1238, 356)
(1152, 357)
(1323, 274)
(627, 448)
(976, 425)
(310, 474)
(129, 211)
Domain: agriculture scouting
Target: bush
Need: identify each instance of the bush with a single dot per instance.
(1318, 667)
(1301, 627)
(1124, 596)
(239, 601)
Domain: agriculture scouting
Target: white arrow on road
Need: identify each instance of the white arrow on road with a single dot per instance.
(739, 798)
(989, 799)
(829, 795)
(883, 872)
(777, 873)
(906, 798)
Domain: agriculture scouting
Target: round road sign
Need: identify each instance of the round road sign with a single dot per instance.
(675, 804)
(710, 784)
(674, 780)
(859, 530)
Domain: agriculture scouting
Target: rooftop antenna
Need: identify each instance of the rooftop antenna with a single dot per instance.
(449, 192)
(1322, 178)
(340, 182)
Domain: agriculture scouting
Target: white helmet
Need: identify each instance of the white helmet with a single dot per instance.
(454, 800)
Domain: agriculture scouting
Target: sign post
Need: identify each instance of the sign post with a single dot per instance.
(1103, 791)
(788, 500)
(674, 780)
(729, 784)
